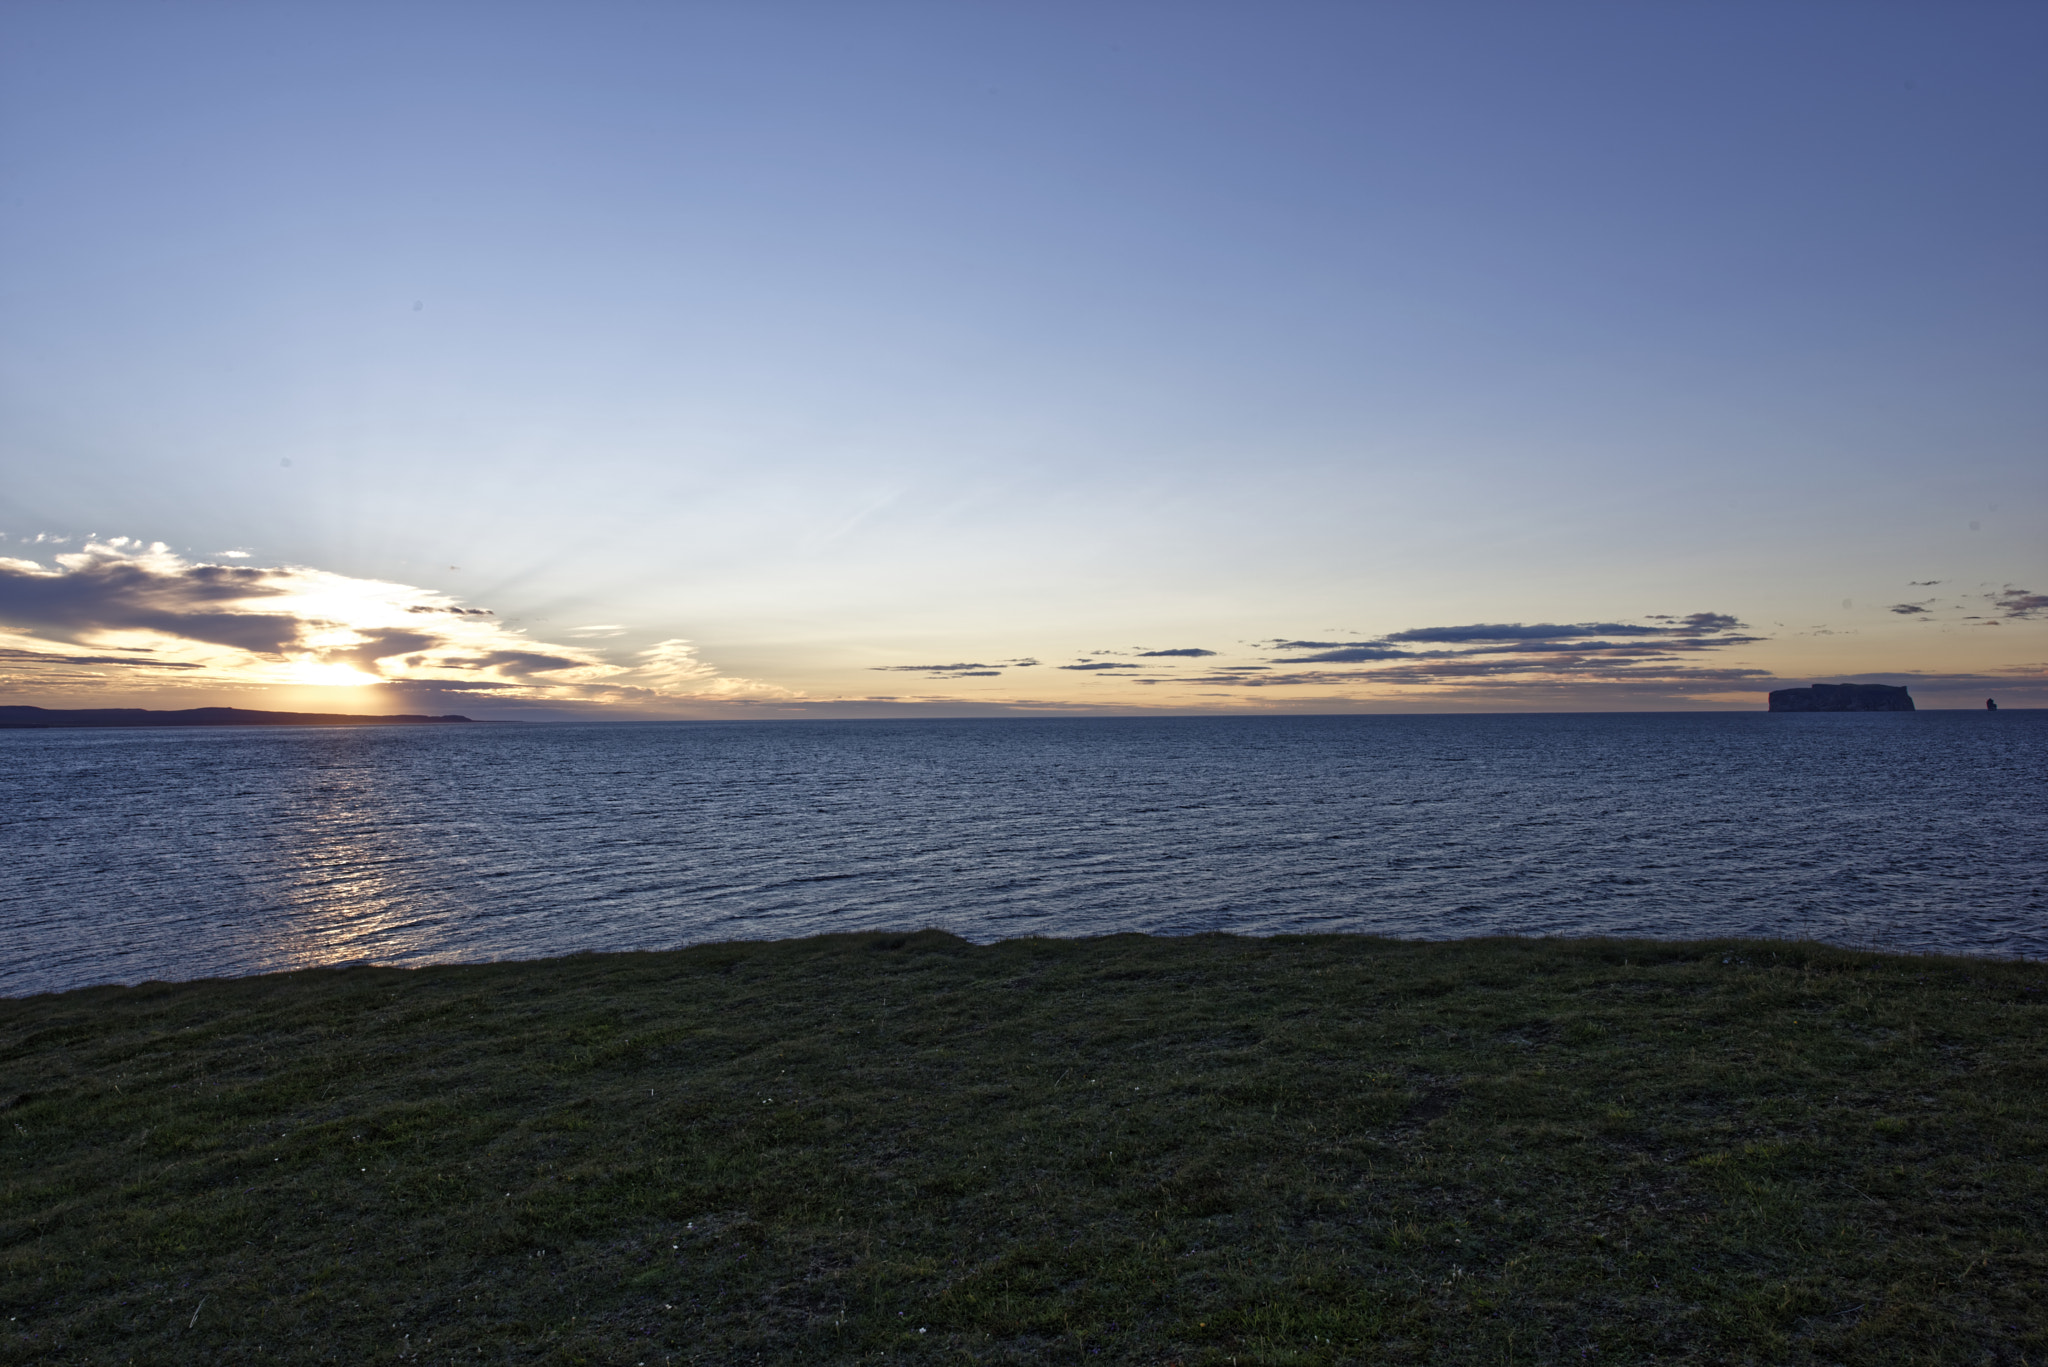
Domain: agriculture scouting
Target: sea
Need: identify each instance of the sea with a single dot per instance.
(184, 853)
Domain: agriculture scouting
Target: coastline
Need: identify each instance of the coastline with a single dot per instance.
(20, 717)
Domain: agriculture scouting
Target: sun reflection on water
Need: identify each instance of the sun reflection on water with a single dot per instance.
(356, 863)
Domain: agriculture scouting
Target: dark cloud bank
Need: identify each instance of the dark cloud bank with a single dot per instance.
(1495, 650)
(110, 594)
(1658, 652)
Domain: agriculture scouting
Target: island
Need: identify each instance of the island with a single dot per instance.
(1842, 698)
(20, 717)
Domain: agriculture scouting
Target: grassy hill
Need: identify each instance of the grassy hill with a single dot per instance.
(910, 1149)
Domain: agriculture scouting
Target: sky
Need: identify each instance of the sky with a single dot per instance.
(767, 359)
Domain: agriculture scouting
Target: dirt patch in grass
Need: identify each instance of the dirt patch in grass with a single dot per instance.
(1206, 1150)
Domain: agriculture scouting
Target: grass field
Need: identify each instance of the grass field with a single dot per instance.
(906, 1148)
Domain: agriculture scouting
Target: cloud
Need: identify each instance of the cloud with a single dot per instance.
(520, 664)
(673, 664)
(1696, 631)
(726, 688)
(1515, 631)
(16, 656)
(1460, 672)
(1649, 654)
(1346, 655)
(1696, 624)
(1699, 623)
(1908, 609)
(966, 669)
(139, 609)
(2020, 603)
(1510, 655)
(1668, 645)
(102, 589)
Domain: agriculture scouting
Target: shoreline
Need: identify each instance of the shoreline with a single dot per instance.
(1648, 944)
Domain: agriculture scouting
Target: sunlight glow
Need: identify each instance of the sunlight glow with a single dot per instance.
(329, 675)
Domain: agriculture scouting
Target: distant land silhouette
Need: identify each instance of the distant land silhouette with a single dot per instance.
(16, 717)
(1842, 698)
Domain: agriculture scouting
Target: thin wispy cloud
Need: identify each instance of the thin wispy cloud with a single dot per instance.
(15, 655)
(964, 669)
(1346, 654)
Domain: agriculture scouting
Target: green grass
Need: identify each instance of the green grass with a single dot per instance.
(1208, 1150)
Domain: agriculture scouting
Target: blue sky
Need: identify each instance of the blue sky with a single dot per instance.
(733, 357)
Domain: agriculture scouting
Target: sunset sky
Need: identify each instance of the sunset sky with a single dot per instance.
(765, 359)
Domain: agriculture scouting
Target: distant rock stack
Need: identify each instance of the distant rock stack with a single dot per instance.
(1842, 698)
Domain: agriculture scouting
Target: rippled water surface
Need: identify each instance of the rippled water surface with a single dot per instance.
(131, 855)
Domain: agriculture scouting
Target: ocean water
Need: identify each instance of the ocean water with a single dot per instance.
(171, 854)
